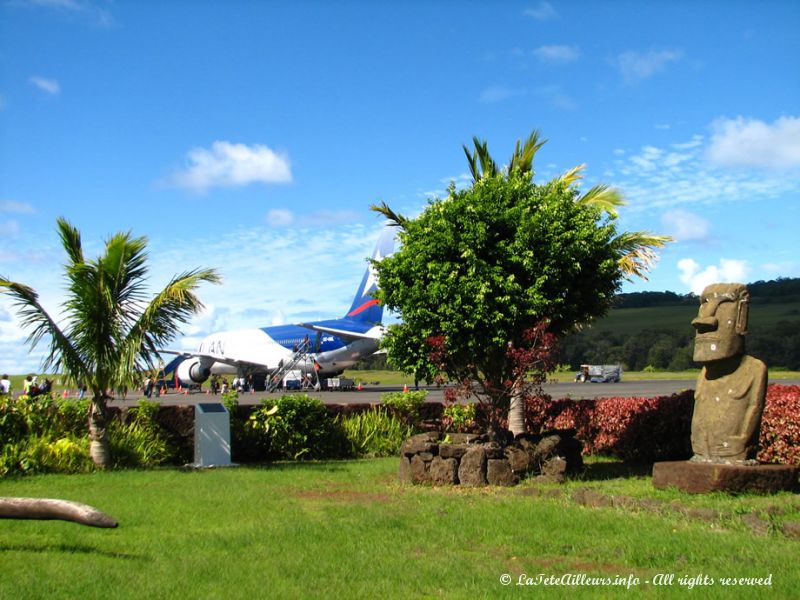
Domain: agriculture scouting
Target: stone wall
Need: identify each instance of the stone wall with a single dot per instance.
(473, 460)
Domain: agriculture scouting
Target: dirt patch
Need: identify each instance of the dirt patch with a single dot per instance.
(340, 495)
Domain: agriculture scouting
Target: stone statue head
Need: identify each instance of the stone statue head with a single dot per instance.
(721, 322)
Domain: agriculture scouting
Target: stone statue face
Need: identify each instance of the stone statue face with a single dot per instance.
(721, 322)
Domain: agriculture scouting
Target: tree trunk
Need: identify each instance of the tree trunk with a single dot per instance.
(99, 448)
(516, 409)
(48, 508)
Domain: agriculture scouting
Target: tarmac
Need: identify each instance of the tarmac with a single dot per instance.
(371, 394)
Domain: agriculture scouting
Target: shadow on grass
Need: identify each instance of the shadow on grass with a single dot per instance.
(603, 471)
(325, 466)
(71, 549)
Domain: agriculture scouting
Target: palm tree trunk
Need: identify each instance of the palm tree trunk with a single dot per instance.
(516, 409)
(99, 449)
(50, 508)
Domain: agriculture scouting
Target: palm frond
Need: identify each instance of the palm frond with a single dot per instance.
(395, 219)
(488, 165)
(573, 175)
(33, 316)
(522, 159)
(161, 319)
(71, 240)
(636, 251)
(603, 196)
(472, 160)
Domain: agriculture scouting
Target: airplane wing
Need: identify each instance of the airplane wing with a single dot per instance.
(372, 334)
(210, 359)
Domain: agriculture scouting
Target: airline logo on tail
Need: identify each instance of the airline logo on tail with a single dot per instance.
(365, 307)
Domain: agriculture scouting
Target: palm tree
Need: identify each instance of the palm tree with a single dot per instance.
(635, 249)
(108, 331)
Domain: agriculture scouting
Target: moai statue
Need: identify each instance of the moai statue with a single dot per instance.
(731, 387)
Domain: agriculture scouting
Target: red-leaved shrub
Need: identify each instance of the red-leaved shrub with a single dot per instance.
(644, 429)
(780, 426)
(655, 429)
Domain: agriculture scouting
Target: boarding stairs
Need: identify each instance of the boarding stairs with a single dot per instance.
(301, 354)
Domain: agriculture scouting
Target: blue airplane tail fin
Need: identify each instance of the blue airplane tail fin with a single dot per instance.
(365, 307)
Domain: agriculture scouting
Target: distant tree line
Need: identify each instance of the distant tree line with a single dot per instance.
(659, 348)
(783, 289)
(778, 345)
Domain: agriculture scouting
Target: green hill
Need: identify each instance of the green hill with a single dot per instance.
(654, 329)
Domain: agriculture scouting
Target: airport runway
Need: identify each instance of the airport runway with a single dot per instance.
(371, 394)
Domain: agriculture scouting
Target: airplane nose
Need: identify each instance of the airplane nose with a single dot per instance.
(705, 324)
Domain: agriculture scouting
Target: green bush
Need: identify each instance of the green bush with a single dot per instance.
(43, 435)
(13, 425)
(46, 455)
(247, 443)
(230, 399)
(73, 416)
(405, 405)
(297, 427)
(375, 432)
(135, 444)
(459, 418)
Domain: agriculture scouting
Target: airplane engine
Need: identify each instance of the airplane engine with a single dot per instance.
(191, 371)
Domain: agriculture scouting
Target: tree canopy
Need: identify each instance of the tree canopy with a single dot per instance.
(482, 267)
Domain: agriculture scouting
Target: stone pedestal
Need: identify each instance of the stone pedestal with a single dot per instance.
(701, 478)
(472, 460)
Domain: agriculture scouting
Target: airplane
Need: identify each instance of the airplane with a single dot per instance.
(318, 350)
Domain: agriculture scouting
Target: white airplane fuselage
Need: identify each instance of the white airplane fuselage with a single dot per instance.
(326, 347)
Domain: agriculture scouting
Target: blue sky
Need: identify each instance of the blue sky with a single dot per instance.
(253, 136)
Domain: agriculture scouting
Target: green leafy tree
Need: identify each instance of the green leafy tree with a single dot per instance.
(108, 331)
(479, 270)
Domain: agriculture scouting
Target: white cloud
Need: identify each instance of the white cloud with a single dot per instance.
(557, 54)
(9, 228)
(780, 269)
(228, 164)
(498, 93)
(685, 226)
(79, 8)
(12, 206)
(280, 217)
(462, 180)
(728, 271)
(334, 217)
(543, 11)
(273, 276)
(636, 66)
(49, 86)
(678, 175)
(557, 97)
(744, 142)
(697, 140)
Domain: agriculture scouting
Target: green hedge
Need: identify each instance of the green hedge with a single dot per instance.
(45, 434)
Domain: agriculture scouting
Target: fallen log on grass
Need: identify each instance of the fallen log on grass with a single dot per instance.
(50, 508)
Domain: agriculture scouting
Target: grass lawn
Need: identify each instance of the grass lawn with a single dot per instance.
(350, 530)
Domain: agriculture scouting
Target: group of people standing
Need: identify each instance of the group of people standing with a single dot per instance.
(240, 384)
(31, 386)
